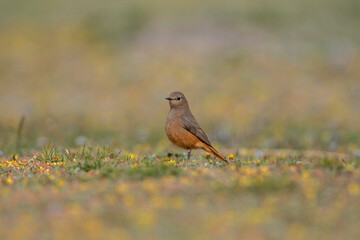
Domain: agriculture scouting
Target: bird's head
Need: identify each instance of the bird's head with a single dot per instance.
(177, 99)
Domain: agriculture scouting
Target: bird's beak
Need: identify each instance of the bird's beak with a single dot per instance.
(168, 98)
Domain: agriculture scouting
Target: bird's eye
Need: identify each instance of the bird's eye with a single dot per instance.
(178, 98)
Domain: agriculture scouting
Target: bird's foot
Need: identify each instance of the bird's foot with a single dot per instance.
(189, 154)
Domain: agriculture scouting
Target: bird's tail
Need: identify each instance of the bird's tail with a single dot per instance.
(213, 151)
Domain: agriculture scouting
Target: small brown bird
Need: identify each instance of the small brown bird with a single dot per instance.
(182, 128)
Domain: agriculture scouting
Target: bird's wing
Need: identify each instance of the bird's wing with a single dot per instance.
(192, 126)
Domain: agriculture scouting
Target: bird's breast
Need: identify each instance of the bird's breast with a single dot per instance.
(179, 136)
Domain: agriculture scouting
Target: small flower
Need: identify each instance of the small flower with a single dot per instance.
(60, 183)
(122, 188)
(9, 180)
(129, 200)
(207, 154)
(147, 219)
(177, 202)
(74, 160)
(354, 189)
(231, 156)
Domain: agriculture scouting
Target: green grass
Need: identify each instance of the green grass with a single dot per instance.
(99, 192)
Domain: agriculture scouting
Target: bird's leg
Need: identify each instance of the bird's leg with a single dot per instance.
(189, 154)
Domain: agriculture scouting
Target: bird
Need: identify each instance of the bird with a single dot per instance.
(182, 128)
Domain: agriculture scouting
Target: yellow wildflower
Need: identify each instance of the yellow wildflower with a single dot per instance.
(60, 183)
(150, 186)
(354, 189)
(177, 202)
(9, 180)
(146, 219)
(129, 200)
(158, 202)
(122, 188)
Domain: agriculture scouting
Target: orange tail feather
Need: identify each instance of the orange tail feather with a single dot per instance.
(213, 151)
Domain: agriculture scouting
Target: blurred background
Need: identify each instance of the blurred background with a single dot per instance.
(257, 74)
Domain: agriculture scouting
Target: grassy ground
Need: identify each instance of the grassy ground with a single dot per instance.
(101, 193)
